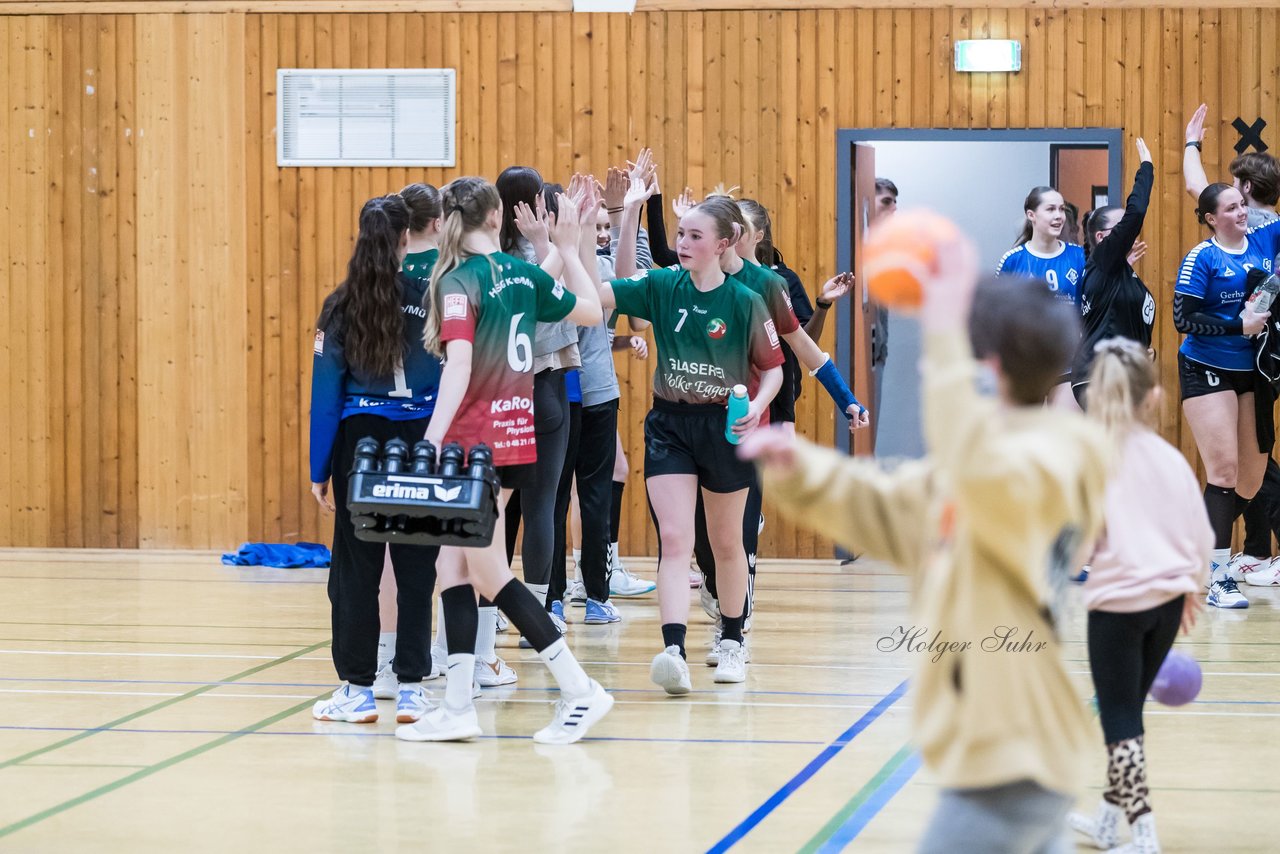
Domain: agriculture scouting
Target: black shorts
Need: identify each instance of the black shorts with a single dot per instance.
(1198, 379)
(517, 477)
(783, 406)
(688, 438)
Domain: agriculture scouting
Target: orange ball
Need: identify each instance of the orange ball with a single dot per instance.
(901, 251)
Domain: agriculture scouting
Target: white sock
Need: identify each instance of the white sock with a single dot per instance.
(568, 673)
(441, 639)
(459, 679)
(539, 592)
(615, 562)
(577, 564)
(386, 648)
(1219, 558)
(487, 634)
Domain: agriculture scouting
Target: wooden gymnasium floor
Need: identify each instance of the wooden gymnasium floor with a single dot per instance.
(160, 702)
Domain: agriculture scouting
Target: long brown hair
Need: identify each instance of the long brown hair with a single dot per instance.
(424, 205)
(467, 203)
(368, 300)
(1034, 199)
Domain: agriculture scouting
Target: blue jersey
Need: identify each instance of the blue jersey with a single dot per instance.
(1216, 276)
(339, 391)
(1062, 270)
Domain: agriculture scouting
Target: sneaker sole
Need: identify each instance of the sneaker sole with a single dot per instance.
(591, 718)
(497, 682)
(461, 734)
(1232, 607)
(1274, 582)
(348, 719)
(725, 678)
(601, 621)
(627, 594)
(667, 677)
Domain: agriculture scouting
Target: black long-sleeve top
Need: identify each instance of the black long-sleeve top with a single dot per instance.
(1114, 302)
(663, 254)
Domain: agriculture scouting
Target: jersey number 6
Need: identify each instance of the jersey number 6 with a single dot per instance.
(519, 348)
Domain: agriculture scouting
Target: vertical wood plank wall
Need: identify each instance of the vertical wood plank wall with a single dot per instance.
(160, 275)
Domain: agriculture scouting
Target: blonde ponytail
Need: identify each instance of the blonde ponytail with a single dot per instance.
(1120, 381)
(466, 202)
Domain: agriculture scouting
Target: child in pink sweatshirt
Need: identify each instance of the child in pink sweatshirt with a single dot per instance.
(1147, 571)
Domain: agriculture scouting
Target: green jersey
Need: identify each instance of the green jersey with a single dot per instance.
(494, 302)
(773, 289)
(707, 341)
(418, 265)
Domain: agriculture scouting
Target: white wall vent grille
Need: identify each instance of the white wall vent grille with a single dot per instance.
(365, 117)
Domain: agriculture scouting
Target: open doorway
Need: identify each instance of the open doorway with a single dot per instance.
(977, 178)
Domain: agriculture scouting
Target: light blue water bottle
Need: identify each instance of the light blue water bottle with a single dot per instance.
(738, 404)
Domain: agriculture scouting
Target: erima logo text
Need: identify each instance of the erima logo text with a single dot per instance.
(399, 491)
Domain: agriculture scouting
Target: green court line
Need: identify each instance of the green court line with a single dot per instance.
(850, 807)
(151, 642)
(153, 769)
(163, 704)
(78, 765)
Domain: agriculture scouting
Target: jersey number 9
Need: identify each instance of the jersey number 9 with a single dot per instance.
(1051, 276)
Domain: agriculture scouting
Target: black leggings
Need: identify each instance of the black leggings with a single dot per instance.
(593, 449)
(1262, 516)
(1125, 653)
(356, 572)
(537, 504)
(704, 554)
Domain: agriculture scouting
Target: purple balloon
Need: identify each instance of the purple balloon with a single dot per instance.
(1178, 681)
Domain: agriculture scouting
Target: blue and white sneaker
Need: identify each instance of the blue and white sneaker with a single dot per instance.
(412, 702)
(349, 704)
(557, 613)
(1225, 593)
(601, 612)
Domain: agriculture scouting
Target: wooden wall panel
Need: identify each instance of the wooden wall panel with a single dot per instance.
(160, 275)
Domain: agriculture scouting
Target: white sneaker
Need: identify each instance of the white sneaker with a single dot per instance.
(1242, 564)
(671, 671)
(350, 704)
(490, 674)
(1102, 828)
(713, 654)
(1143, 833)
(733, 662)
(574, 717)
(576, 594)
(442, 724)
(1224, 593)
(695, 577)
(623, 583)
(1265, 576)
(412, 702)
(385, 683)
(710, 604)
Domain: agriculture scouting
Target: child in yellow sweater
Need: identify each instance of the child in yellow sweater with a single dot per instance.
(989, 525)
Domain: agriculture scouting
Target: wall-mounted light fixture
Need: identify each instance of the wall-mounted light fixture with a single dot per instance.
(989, 55)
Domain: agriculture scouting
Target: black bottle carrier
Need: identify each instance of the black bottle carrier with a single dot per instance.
(395, 497)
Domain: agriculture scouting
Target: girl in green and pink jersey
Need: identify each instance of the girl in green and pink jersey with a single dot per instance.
(481, 313)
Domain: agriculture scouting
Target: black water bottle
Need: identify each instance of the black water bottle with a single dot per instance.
(393, 455)
(479, 461)
(451, 460)
(366, 454)
(424, 457)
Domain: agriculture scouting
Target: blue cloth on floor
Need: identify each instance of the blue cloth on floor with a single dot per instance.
(279, 554)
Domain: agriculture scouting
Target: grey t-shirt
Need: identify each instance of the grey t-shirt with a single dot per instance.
(1261, 216)
(597, 376)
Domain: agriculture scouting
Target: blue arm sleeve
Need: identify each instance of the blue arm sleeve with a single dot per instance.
(836, 387)
(328, 384)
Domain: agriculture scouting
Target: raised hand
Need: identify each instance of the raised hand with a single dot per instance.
(615, 188)
(533, 224)
(1195, 127)
(643, 166)
(683, 203)
(639, 189)
(1135, 254)
(836, 287)
(566, 226)
(1144, 153)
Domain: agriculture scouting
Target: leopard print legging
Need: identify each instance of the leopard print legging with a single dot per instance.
(1127, 778)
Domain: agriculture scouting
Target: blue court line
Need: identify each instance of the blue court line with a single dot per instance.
(789, 788)
(163, 580)
(855, 824)
(373, 734)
